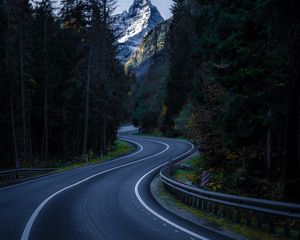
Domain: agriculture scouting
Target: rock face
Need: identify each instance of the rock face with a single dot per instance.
(153, 44)
(134, 25)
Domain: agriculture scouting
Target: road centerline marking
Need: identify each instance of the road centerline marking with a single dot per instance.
(29, 225)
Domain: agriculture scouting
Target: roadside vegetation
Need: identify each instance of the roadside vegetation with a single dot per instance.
(223, 180)
(62, 90)
(231, 86)
(119, 149)
(220, 222)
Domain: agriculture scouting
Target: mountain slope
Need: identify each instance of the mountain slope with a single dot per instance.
(152, 45)
(134, 25)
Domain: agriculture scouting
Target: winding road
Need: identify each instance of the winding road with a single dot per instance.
(109, 201)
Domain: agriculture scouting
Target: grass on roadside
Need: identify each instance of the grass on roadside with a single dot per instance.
(192, 175)
(121, 148)
(248, 232)
(217, 178)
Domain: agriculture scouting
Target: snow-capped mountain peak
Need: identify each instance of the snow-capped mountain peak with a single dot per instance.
(134, 25)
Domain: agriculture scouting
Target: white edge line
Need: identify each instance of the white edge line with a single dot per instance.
(28, 227)
(136, 190)
(76, 169)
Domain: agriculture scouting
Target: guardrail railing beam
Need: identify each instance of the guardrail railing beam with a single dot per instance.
(259, 212)
(11, 176)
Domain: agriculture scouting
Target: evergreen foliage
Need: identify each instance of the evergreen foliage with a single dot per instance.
(46, 62)
(233, 88)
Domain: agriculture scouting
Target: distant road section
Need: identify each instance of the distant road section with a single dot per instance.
(106, 201)
(126, 129)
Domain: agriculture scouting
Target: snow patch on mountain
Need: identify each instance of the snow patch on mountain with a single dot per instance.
(134, 25)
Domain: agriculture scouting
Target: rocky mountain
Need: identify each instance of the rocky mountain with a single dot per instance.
(152, 46)
(133, 26)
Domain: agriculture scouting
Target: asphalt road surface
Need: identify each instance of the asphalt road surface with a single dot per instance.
(109, 201)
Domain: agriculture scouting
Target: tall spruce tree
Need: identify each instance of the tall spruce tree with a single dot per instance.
(50, 67)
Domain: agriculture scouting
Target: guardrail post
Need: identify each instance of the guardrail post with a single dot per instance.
(211, 207)
(216, 209)
(249, 218)
(287, 227)
(202, 204)
(193, 202)
(230, 213)
(258, 213)
(208, 206)
(205, 206)
(238, 215)
(180, 196)
(185, 198)
(258, 220)
(197, 203)
(176, 193)
(271, 224)
(224, 212)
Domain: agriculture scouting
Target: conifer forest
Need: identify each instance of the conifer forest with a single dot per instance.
(223, 74)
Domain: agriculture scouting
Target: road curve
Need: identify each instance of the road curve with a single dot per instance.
(106, 201)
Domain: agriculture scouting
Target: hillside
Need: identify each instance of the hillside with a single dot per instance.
(152, 45)
(133, 26)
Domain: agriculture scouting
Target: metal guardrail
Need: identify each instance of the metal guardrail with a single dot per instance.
(11, 176)
(259, 213)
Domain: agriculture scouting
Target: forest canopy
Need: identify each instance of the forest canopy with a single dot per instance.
(232, 87)
(61, 87)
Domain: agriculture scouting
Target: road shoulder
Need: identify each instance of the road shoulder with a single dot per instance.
(171, 204)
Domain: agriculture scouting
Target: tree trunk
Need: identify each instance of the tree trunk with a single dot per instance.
(87, 108)
(12, 112)
(65, 134)
(104, 139)
(30, 153)
(46, 130)
(292, 168)
(13, 128)
(269, 144)
(77, 145)
(23, 97)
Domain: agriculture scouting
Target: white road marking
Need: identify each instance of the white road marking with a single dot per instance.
(28, 227)
(76, 169)
(136, 190)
